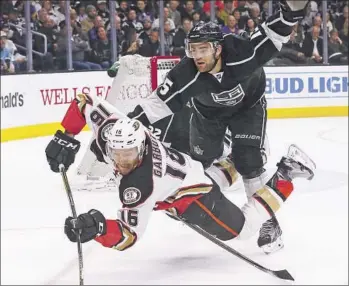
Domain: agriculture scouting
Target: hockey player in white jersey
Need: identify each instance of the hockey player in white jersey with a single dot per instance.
(155, 177)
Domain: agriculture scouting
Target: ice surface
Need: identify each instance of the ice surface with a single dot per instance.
(34, 249)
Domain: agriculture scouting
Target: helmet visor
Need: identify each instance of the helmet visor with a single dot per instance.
(125, 160)
(199, 50)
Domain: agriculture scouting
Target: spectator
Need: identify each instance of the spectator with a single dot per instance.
(120, 34)
(188, 10)
(250, 27)
(343, 34)
(102, 49)
(337, 51)
(19, 60)
(47, 5)
(79, 49)
(102, 10)
(299, 34)
(265, 11)
(313, 46)
(45, 26)
(48, 27)
(88, 23)
(81, 11)
(153, 47)
(6, 6)
(329, 24)
(174, 13)
(131, 44)
(168, 35)
(60, 11)
(226, 11)
(15, 32)
(243, 9)
(255, 13)
(231, 27)
(143, 12)
(180, 36)
(93, 32)
(312, 10)
(342, 18)
(317, 21)
(123, 10)
(132, 21)
(76, 25)
(166, 18)
(6, 57)
(241, 21)
(196, 18)
(145, 34)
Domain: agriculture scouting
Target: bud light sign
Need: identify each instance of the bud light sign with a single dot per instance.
(300, 84)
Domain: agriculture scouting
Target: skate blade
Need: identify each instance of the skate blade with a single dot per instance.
(273, 247)
(297, 154)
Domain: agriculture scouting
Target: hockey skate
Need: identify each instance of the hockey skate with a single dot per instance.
(270, 239)
(296, 164)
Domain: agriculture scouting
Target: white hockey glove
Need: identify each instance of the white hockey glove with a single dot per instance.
(296, 5)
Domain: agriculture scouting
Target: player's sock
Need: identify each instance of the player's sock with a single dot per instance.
(223, 173)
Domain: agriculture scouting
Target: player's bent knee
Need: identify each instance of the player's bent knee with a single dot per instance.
(248, 160)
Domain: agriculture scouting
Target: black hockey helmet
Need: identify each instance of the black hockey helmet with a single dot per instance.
(205, 32)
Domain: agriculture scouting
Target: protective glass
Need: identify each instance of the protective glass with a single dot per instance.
(198, 50)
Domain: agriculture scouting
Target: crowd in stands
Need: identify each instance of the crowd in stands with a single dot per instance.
(137, 28)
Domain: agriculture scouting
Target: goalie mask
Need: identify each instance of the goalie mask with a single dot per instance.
(125, 144)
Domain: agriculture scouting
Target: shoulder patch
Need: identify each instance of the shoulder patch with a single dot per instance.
(131, 195)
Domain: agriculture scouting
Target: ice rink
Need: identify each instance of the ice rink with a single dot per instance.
(34, 249)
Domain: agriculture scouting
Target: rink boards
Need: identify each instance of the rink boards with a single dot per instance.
(33, 105)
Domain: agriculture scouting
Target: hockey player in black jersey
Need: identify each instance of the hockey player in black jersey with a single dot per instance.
(223, 77)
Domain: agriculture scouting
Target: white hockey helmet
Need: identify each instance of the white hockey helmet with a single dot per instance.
(126, 143)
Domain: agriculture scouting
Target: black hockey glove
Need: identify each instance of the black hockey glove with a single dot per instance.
(90, 225)
(61, 150)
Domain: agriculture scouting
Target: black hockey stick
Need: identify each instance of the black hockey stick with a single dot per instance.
(282, 274)
(73, 210)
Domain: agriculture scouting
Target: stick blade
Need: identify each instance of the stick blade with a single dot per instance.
(283, 274)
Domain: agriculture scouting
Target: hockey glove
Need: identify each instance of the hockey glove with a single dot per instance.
(61, 150)
(296, 5)
(90, 225)
(293, 10)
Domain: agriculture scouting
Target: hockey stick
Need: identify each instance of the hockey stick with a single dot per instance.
(73, 210)
(282, 274)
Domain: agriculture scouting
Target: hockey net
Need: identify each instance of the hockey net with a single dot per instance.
(136, 78)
